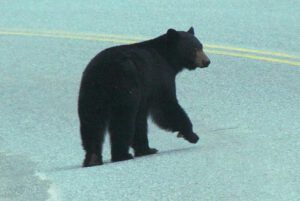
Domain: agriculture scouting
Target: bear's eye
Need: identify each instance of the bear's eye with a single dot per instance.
(198, 48)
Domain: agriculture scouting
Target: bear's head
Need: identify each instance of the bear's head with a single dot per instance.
(187, 49)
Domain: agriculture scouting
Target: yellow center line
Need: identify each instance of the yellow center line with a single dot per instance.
(213, 49)
(255, 57)
(69, 36)
(277, 54)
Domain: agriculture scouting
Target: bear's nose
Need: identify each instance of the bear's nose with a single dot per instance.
(206, 63)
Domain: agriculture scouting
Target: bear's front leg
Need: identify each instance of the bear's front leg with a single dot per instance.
(140, 142)
(169, 115)
(191, 137)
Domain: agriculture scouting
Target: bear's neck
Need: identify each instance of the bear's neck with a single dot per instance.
(159, 44)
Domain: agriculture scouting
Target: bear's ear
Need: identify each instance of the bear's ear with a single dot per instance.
(191, 31)
(172, 35)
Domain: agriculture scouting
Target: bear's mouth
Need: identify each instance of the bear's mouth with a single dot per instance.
(201, 60)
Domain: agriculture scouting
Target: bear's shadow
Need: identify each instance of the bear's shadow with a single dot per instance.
(108, 162)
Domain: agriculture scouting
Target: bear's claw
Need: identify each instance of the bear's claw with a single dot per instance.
(192, 137)
(148, 151)
(123, 157)
(92, 160)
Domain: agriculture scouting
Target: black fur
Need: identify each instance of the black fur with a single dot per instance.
(122, 85)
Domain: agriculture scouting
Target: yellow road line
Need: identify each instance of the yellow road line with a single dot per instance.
(213, 49)
(255, 57)
(278, 54)
(127, 39)
(59, 32)
(69, 36)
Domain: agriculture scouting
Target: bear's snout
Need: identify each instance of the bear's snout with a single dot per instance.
(206, 63)
(201, 59)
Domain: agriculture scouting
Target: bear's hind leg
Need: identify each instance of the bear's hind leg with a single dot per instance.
(140, 142)
(93, 116)
(121, 129)
(92, 135)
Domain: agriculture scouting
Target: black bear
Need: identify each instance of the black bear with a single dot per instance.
(122, 85)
